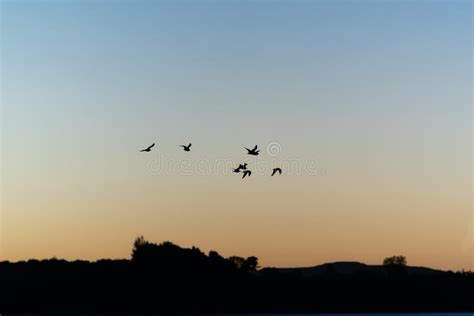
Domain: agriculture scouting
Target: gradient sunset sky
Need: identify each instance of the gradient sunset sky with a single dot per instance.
(368, 105)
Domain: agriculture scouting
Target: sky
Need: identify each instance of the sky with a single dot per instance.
(366, 106)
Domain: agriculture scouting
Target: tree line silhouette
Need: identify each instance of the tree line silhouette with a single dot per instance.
(166, 278)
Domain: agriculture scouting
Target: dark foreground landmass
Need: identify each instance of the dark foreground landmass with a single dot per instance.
(168, 279)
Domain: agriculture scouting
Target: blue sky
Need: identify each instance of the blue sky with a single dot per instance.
(379, 92)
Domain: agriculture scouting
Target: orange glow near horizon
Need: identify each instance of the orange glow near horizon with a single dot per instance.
(366, 106)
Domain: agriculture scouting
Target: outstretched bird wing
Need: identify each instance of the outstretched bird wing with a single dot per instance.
(275, 170)
(148, 148)
(189, 146)
(255, 148)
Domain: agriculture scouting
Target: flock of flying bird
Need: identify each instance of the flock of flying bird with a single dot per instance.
(242, 167)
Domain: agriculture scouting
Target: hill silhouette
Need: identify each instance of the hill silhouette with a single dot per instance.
(166, 278)
(351, 268)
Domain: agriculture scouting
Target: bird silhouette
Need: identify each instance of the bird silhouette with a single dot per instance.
(240, 167)
(148, 149)
(275, 170)
(253, 152)
(186, 148)
(243, 166)
(247, 173)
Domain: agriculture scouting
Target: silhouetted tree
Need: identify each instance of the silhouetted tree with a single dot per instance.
(138, 244)
(238, 261)
(215, 255)
(250, 264)
(395, 260)
(168, 279)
